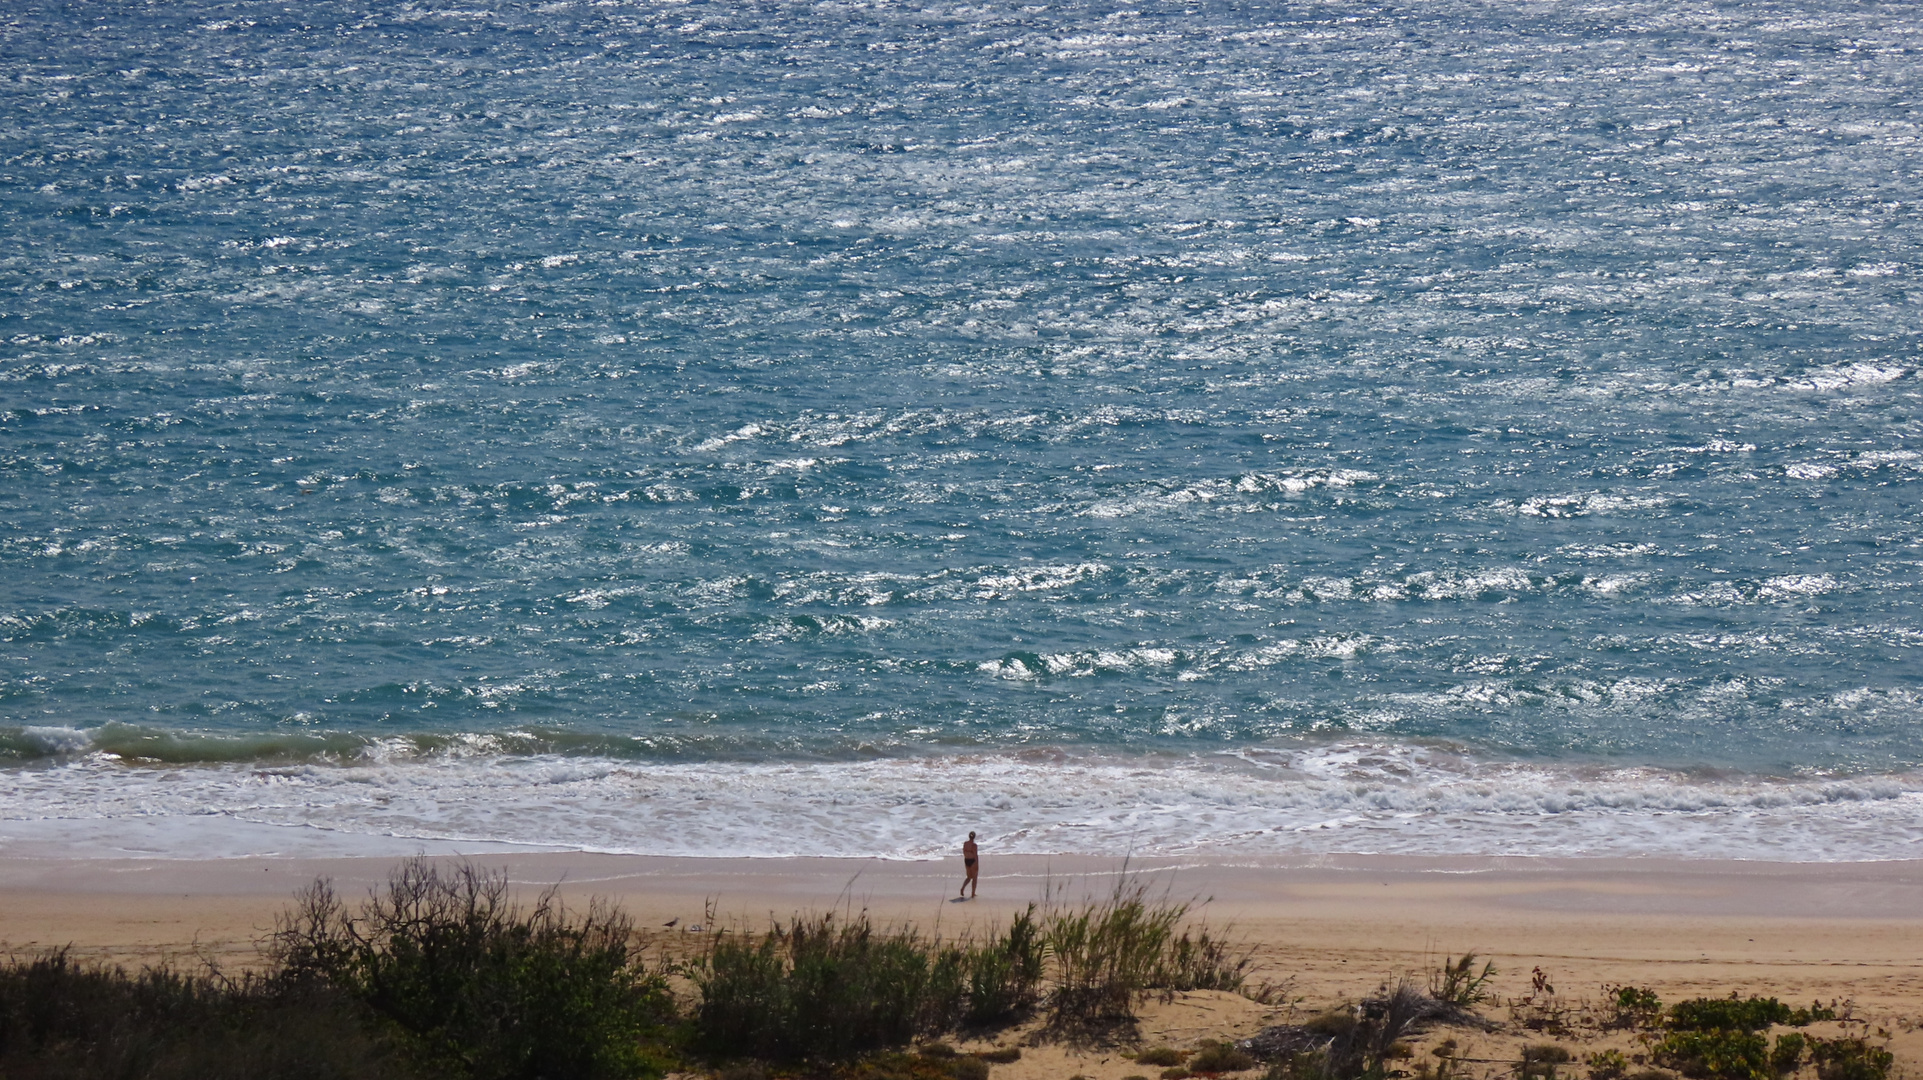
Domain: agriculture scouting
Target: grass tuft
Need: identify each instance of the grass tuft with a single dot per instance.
(1459, 983)
(1220, 1057)
(825, 990)
(1106, 955)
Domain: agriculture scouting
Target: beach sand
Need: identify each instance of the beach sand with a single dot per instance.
(1322, 930)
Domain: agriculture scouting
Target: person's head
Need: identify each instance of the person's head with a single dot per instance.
(971, 836)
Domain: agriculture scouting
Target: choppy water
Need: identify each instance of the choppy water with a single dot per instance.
(754, 427)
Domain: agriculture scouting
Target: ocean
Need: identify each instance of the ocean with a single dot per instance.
(1112, 426)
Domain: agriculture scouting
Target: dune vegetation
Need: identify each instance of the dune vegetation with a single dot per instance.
(445, 975)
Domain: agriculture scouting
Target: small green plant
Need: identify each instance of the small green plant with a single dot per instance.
(1220, 1057)
(898, 1066)
(1161, 1056)
(1177, 1073)
(1728, 1014)
(1459, 983)
(1815, 1012)
(968, 1068)
(1001, 1055)
(1310, 1065)
(1721, 1054)
(1635, 1006)
(1607, 1065)
(1850, 1059)
(1539, 1062)
(1336, 1023)
(1788, 1053)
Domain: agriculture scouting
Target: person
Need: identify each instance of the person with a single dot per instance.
(972, 865)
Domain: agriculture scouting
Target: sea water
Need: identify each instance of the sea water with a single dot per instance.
(1111, 426)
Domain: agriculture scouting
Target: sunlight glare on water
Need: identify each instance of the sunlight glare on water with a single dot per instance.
(1512, 407)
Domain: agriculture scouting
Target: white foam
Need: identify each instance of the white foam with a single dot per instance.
(1354, 796)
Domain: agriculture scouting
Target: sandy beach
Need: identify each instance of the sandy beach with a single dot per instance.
(1322, 931)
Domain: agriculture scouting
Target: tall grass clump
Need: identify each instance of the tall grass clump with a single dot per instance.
(825, 989)
(1106, 955)
(60, 1020)
(1005, 974)
(475, 985)
(1202, 962)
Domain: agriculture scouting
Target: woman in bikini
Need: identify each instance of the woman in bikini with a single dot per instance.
(972, 865)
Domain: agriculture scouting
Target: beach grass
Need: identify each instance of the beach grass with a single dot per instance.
(62, 1020)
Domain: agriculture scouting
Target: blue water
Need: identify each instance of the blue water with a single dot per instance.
(1387, 397)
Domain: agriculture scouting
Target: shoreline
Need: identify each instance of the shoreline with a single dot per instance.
(1406, 798)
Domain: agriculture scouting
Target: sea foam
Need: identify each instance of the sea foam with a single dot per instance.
(1364, 797)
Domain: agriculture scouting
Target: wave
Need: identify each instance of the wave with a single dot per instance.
(1362, 796)
(137, 744)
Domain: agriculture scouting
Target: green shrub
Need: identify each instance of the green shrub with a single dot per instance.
(1716, 1055)
(1309, 1065)
(968, 1068)
(898, 1066)
(1607, 1065)
(65, 1021)
(1177, 1073)
(1539, 1062)
(1727, 1014)
(1635, 1006)
(1219, 1057)
(1001, 1055)
(477, 985)
(1850, 1059)
(1336, 1023)
(1788, 1053)
(1160, 1055)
